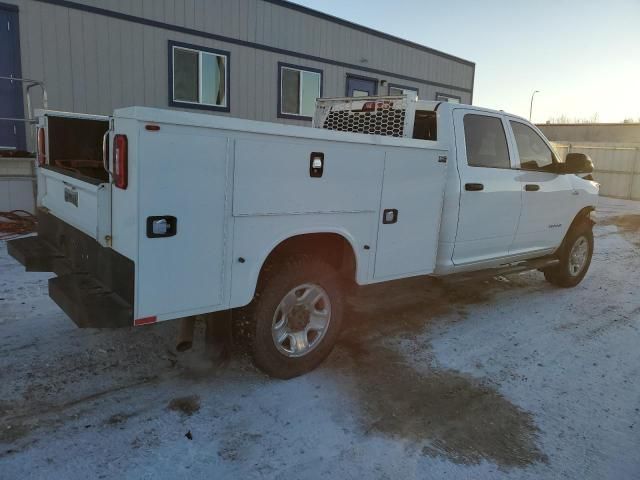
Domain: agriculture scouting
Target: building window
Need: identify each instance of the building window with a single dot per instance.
(400, 90)
(198, 77)
(447, 97)
(299, 88)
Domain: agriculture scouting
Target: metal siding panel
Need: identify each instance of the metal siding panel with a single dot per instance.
(613, 184)
(270, 85)
(260, 14)
(115, 73)
(615, 160)
(189, 13)
(65, 77)
(212, 16)
(250, 83)
(105, 101)
(270, 26)
(239, 81)
(149, 62)
(635, 186)
(76, 57)
(127, 63)
(169, 10)
(50, 56)
(239, 24)
(136, 8)
(153, 9)
(136, 67)
(161, 67)
(228, 19)
(90, 60)
(199, 21)
(179, 12)
(242, 13)
(252, 19)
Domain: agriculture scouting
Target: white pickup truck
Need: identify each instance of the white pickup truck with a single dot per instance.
(152, 215)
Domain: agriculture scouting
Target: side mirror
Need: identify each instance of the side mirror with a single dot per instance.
(578, 163)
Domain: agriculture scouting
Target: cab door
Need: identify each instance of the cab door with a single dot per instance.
(548, 198)
(490, 193)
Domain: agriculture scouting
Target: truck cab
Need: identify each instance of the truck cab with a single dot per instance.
(508, 196)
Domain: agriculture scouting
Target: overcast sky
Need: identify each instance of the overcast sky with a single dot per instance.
(583, 56)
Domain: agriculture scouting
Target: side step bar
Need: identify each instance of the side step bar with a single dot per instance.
(507, 269)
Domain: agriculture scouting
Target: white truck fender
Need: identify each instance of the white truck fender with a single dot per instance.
(245, 274)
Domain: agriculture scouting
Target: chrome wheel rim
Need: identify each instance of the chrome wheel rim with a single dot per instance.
(578, 256)
(301, 320)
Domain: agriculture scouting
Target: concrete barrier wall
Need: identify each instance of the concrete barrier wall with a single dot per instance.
(616, 168)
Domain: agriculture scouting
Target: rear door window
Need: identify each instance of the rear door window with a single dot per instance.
(486, 142)
(425, 125)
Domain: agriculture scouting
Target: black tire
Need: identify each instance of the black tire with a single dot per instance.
(561, 275)
(257, 319)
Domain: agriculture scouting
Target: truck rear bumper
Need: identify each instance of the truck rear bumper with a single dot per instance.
(94, 286)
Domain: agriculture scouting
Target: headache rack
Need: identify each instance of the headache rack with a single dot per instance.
(380, 115)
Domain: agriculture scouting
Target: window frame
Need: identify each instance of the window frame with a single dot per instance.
(506, 128)
(172, 45)
(300, 68)
(447, 96)
(404, 87)
(518, 166)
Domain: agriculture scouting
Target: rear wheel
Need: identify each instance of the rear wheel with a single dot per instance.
(575, 257)
(295, 317)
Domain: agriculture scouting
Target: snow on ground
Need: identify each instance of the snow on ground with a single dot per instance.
(508, 378)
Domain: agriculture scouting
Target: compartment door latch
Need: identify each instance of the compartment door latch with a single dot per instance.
(316, 164)
(389, 216)
(163, 226)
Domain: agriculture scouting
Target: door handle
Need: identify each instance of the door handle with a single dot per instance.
(531, 187)
(473, 187)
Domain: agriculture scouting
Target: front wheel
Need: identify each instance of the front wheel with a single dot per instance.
(295, 317)
(575, 257)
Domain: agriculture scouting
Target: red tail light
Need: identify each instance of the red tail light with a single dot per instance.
(42, 147)
(120, 162)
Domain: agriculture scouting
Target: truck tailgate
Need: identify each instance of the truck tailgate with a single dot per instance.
(82, 203)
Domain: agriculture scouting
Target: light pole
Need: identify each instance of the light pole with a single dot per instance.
(531, 105)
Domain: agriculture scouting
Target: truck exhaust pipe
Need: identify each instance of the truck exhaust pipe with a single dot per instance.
(184, 341)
